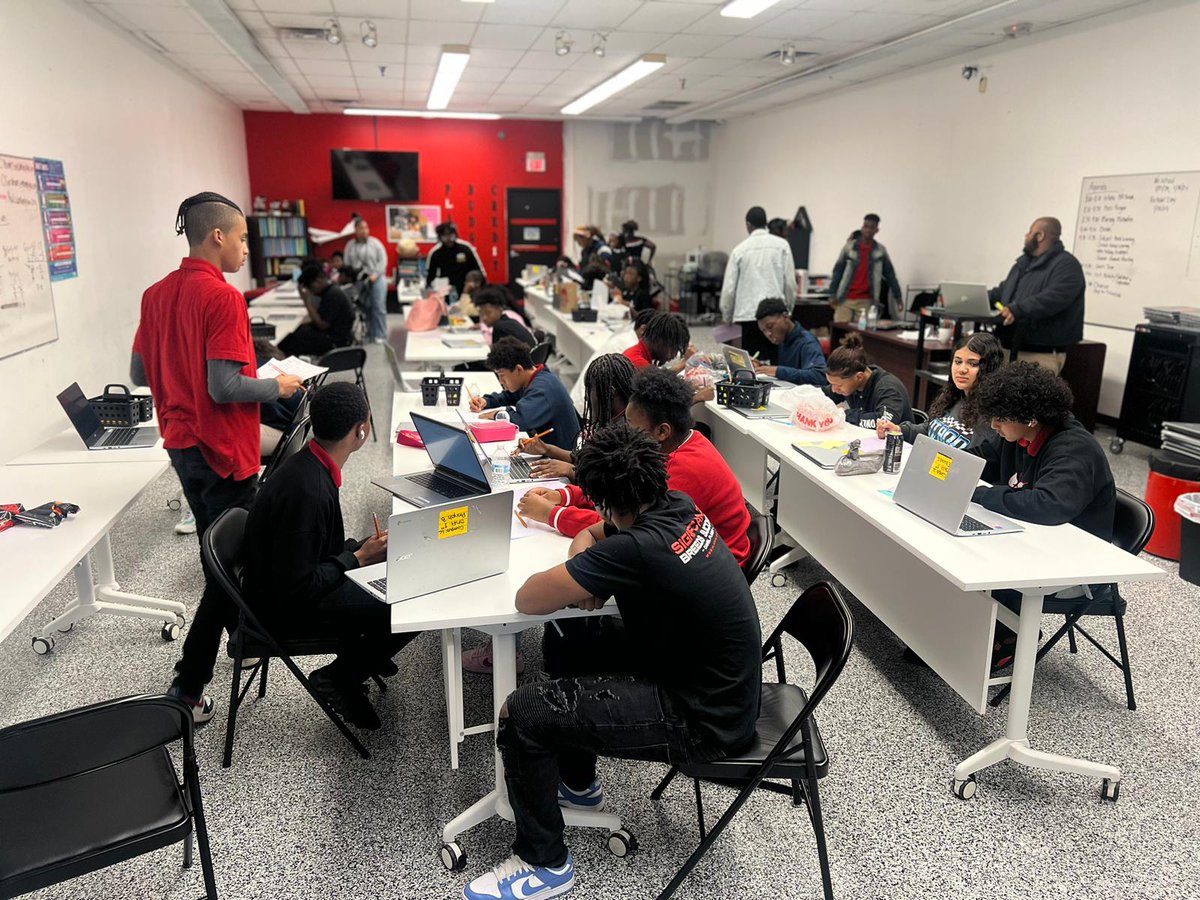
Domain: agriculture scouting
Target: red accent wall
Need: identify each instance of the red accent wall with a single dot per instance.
(289, 159)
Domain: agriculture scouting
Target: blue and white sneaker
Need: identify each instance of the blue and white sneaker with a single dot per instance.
(591, 798)
(515, 879)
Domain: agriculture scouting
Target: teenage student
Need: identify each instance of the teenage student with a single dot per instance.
(660, 405)
(331, 317)
(679, 679)
(664, 338)
(471, 285)
(868, 392)
(954, 414)
(497, 320)
(635, 286)
(532, 396)
(801, 360)
(193, 348)
(296, 555)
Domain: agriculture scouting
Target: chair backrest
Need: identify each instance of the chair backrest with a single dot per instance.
(344, 359)
(821, 621)
(920, 417)
(289, 445)
(83, 740)
(1133, 522)
(762, 539)
(393, 362)
(540, 353)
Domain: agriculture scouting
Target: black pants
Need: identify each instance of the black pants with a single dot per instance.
(208, 495)
(555, 730)
(307, 340)
(753, 341)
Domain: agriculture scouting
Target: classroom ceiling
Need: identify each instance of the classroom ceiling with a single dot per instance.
(717, 67)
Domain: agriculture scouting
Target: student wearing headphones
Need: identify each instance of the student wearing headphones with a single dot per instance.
(868, 392)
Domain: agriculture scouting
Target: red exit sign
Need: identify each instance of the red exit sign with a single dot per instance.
(535, 162)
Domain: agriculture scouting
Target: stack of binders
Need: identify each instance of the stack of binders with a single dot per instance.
(1182, 438)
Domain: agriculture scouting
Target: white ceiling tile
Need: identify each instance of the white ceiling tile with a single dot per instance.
(370, 70)
(505, 37)
(322, 67)
(745, 48)
(391, 54)
(658, 16)
(314, 50)
(295, 19)
(370, 9)
(631, 42)
(593, 14)
(545, 59)
(473, 74)
(495, 59)
(422, 31)
(330, 82)
(531, 76)
(423, 54)
(517, 90)
(795, 24)
(874, 26)
(690, 45)
(420, 73)
(445, 10)
(521, 12)
(715, 23)
(701, 67)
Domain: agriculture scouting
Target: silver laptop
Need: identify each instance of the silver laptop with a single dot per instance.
(937, 483)
(966, 299)
(456, 474)
(95, 435)
(443, 546)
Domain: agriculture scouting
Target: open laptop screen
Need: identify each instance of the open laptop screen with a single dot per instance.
(80, 412)
(449, 448)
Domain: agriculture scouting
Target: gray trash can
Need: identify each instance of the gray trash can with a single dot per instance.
(1188, 507)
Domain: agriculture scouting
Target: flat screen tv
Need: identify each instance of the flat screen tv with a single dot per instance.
(378, 175)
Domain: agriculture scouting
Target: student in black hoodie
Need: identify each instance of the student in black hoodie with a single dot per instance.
(870, 394)
(1043, 466)
(295, 556)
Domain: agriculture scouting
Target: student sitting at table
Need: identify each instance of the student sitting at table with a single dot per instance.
(801, 360)
(954, 415)
(1044, 467)
(330, 320)
(634, 289)
(868, 392)
(664, 338)
(295, 556)
(660, 405)
(471, 285)
(498, 320)
(533, 397)
(676, 680)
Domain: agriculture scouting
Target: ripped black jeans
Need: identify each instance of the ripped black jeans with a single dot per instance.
(555, 730)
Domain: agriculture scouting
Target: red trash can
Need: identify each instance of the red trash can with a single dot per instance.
(1170, 475)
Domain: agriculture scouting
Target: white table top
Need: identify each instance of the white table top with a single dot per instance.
(427, 347)
(34, 560)
(67, 448)
(1040, 556)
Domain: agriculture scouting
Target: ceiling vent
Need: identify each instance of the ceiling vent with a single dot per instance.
(773, 55)
(667, 105)
(302, 34)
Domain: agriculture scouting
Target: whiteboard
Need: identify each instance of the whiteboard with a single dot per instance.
(26, 302)
(1138, 240)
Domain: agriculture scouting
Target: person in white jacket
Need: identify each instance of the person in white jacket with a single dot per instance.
(760, 268)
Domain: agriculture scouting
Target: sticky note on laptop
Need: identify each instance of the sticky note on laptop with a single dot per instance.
(941, 466)
(453, 522)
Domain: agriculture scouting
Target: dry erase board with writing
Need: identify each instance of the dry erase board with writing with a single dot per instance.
(26, 302)
(1138, 239)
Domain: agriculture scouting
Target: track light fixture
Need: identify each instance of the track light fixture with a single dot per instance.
(369, 36)
(333, 32)
(599, 44)
(787, 54)
(562, 43)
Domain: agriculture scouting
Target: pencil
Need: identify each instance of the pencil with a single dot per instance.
(378, 533)
(525, 441)
(521, 519)
(271, 363)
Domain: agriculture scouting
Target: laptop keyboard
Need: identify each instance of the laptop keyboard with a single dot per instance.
(380, 584)
(969, 524)
(119, 437)
(520, 470)
(442, 485)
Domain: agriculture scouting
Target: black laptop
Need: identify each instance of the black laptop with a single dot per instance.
(95, 435)
(457, 472)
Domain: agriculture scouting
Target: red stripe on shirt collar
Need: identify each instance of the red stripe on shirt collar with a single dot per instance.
(327, 461)
(1034, 447)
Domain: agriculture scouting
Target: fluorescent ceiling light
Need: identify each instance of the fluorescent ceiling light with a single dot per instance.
(417, 113)
(454, 59)
(651, 62)
(746, 9)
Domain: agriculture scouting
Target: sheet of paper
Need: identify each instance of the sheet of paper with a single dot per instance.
(530, 527)
(599, 294)
(293, 365)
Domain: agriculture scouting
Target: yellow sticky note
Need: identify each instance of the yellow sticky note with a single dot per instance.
(941, 466)
(452, 522)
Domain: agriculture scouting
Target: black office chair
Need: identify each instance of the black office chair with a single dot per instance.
(222, 550)
(84, 789)
(291, 443)
(540, 353)
(350, 359)
(1132, 526)
(920, 417)
(762, 539)
(787, 744)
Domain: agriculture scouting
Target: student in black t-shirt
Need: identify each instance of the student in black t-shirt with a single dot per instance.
(681, 679)
(331, 317)
(869, 393)
(295, 556)
(492, 302)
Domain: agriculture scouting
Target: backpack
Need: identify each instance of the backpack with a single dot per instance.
(426, 313)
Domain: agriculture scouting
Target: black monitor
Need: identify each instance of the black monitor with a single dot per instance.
(375, 175)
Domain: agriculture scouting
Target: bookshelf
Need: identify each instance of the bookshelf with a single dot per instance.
(277, 246)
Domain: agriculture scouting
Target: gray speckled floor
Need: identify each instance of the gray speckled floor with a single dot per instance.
(300, 817)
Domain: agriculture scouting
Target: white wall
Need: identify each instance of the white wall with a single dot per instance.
(958, 176)
(659, 175)
(135, 137)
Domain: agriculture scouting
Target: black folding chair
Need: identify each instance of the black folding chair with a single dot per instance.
(920, 417)
(787, 744)
(222, 549)
(1132, 526)
(762, 539)
(91, 787)
(540, 353)
(289, 445)
(350, 359)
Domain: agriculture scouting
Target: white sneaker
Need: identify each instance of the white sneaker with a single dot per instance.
(202, 708)
(187, 521)
(515, 878)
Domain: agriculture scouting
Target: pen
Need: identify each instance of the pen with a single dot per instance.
(754, 355)
(527, 440)
(521, 519)
(271, 363)
(378, 533)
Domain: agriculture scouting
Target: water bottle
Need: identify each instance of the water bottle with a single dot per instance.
(872, 316)
(862, 321)
(501, 466)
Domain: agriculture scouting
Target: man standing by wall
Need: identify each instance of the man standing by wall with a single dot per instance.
(760, 267)
(1042, 298)
(193, 348)
(860, 272)
(367, 256)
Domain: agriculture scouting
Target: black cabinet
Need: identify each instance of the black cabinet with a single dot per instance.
(1163, 384)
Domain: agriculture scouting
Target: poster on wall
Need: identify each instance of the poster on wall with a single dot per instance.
(26, 301)
(412, 223)
(56, 218)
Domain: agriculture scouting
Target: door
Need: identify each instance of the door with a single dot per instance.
(534, 228)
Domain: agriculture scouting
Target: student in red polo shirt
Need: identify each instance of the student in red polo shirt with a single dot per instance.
(664, 337)
(193, 348)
